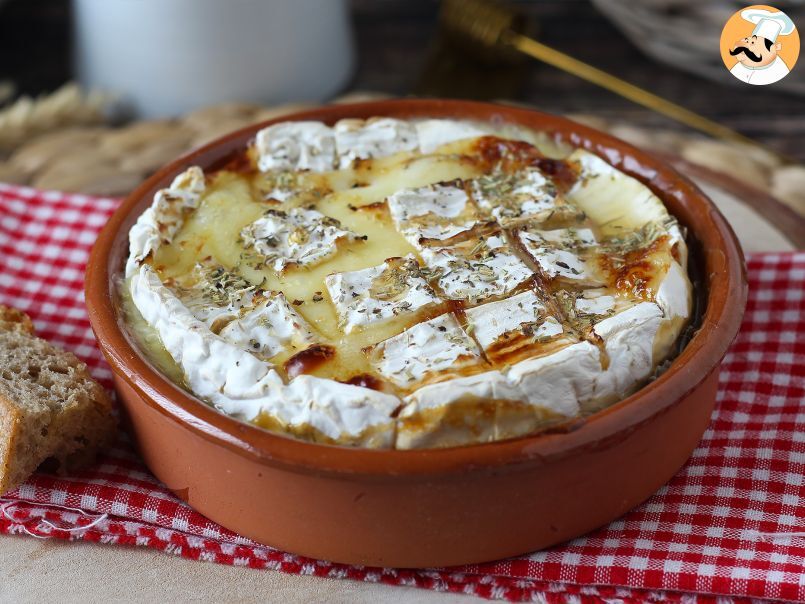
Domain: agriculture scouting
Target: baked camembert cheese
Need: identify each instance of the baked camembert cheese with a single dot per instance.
(407, 283)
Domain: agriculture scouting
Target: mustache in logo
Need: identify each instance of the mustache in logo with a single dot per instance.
(743, 49)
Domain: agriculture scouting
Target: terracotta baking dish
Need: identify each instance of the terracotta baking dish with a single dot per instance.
(431, 507)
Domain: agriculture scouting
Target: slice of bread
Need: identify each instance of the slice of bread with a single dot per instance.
(51, 410)
(15, 320)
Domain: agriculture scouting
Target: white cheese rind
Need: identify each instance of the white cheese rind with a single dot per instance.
(298, 236)
(558, 381)
(492, 321)
(434, 133)
(428, 428)
(474, 279)
(213, 368)
(160, 222)
(316, 147)
(442, 201)
(569, 238)
(417, 235)
(262, 323)
(207, 311)
(554, 261)
(553, 385)
(351, 293)
(677, 239)
(268, 328)
(593, 302)
(377, 137)
(348, 414)
(561, 263)
(629, 343)
(308, 145)
(241, 385)
(279, 194)
(144, 239)
(487, 385)
(563, 381)
(425, 348)
(296, 146)
(531, 196)
(674, 293)
(433, 212)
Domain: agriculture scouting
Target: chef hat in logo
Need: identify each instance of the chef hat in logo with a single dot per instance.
(768, 25)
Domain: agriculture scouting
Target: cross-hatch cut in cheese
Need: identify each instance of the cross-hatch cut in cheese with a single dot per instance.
(405, 284)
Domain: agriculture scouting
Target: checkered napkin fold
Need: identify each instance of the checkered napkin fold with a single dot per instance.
(730, 523)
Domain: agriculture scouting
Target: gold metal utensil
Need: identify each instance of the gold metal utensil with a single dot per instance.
(491, 29)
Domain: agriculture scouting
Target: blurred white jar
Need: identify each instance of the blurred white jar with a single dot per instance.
(166, 57)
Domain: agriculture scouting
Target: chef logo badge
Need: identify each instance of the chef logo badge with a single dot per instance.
(759, 45)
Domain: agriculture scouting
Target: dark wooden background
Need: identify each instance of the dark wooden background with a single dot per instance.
(394, 39)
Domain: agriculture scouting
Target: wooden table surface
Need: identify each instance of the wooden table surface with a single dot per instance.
(394, 36)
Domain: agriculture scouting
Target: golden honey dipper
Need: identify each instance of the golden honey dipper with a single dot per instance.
(491, 27)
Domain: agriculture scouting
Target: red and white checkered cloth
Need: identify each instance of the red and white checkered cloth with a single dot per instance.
(730, 523)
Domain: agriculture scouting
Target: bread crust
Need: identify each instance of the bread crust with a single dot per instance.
(50, 407)
(9, 431)
(12, 319)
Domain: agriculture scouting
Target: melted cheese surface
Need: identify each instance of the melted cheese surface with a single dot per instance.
(399, 270)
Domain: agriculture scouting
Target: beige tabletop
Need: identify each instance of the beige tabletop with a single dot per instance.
(44, 570)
